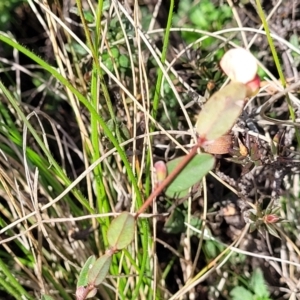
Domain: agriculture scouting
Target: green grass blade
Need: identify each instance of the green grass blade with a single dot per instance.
(85, 102)
(277, 63)
(13, 281)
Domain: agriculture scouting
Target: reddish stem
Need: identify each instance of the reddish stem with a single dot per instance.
(84, 292)
(168, 179)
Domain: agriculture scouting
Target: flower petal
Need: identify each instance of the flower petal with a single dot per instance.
(239, 65)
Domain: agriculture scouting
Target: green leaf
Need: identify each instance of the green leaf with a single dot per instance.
(210, 248)
(89, 17)
(221, 111)
(124, 61)
(78, 49)
(111, 125)
(257, 283)
(195, 221)
(106, 5)
(240, 292)
(121, 231)
(99, 270)
(83, 276)
(192, 173)
(175, 222)
(114, 52)
(294, 40)
(125, 133)
(109, 64)
(272, 230)
(197, 17)
(177, 195)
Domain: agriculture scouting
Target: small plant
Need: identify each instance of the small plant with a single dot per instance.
(205, 15)
(253, 288)
(106, 162)
(120, 235)
(263, 219)
(216, 118)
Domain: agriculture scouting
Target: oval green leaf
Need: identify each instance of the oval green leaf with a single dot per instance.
(192, 173)
(221, 111)
(175, 222)
(121, 231)
(99, 270)
(124, 61)
(83, 276)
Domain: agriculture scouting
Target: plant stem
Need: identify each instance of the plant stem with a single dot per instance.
(168, 179)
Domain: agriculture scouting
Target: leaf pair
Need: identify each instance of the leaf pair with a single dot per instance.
(120, 234)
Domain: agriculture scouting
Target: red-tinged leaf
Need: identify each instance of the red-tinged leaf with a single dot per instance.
(253, 86)
(192, 173)
(161, 171)
(121, 231)
(221, 111)
(269, 219)
(80, 292)
(99, 270)
(239, 65)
